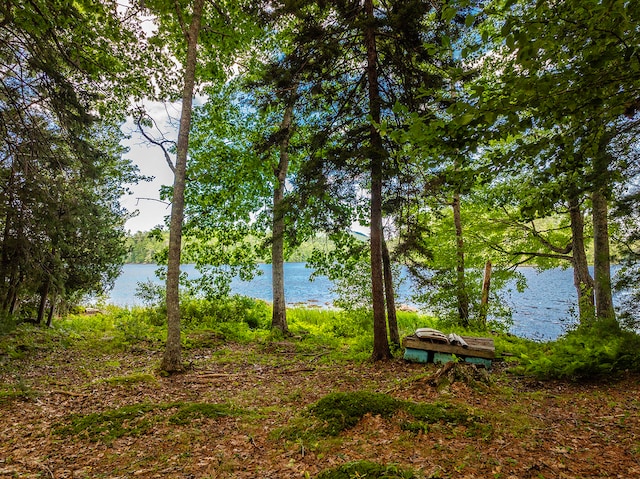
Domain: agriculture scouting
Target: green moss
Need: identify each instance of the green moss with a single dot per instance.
(190, 411)
(438, 411)
(17, 392)
(367, 469)
(130, 379)
(109, 425)
(135, 420)
(341, 411)
(337, 412)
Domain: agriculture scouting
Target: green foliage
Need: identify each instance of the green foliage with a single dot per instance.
(133, 327)
(145, 246)
(432, 258)
(136, 419)
(362, 469)
(7, 323)
(63, 171)
(409, 321)
(595, 349)
(348, 333)
(435, 412)
(25, 339)
(208, 313)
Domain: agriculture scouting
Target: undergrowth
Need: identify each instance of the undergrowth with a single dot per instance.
(594, 349)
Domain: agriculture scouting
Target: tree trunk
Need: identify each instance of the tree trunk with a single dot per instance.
(390, 296)
(581, 277)
(380, 339)
(6, 285)
(8, 279)
(461, 290)
(43, 299)
(16, 281)
(601, 257)
(279, 316)
(172, 359)
(484, 300)
(52, 308)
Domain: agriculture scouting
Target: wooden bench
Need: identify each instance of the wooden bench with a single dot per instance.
(479, 351)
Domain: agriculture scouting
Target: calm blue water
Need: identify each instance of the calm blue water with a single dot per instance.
(543, 311)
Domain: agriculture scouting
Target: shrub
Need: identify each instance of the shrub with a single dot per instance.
(593, 349)
(201, 312)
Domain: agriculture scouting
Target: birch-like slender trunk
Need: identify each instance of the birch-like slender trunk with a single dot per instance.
(172, 359)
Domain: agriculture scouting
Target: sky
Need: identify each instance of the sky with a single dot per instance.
(145, 196)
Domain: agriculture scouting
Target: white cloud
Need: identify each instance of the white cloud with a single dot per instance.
(145, 197)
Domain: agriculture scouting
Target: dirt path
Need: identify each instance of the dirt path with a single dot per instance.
(525, 429)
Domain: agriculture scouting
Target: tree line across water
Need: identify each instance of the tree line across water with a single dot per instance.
(460, 133)
(146, 247)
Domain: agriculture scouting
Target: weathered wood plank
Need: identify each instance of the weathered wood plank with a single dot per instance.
(478, 347)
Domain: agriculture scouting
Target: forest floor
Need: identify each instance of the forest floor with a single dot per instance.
(127, 424)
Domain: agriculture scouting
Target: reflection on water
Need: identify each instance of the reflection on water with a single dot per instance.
(542, 311)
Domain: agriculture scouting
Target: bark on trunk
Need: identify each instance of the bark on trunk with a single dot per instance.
(390, 296)
(4, 257)
(13, 292)
(279, 316)
(461, 290)
(601, 258)
(12, 285)
(484, 300)
(381, 349)
(52, 308)
(43, 299)
(172, 359)
(581, 277)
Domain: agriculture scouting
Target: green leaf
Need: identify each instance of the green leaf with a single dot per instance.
(469, 20)
(448, 13)
(466, 119)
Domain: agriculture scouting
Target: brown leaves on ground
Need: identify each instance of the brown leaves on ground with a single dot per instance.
(530, 429)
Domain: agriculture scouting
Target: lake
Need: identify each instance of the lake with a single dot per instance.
(542, 311)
